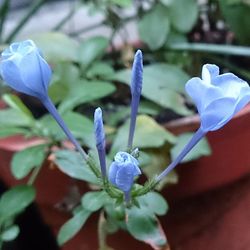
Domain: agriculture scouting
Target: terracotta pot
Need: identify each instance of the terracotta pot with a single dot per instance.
(52, 188)
(218, 219)
(229, 161)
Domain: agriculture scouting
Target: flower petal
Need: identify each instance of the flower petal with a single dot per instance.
(217, 114)
(114, 167)
(243, 99)
(209, 72)
(11, 75)
(38, 78)
(202, 93)
(125, 177)
(137, 171)
(231, 84)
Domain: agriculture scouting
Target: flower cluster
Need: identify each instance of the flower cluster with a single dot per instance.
(217, 97)
(125, 167)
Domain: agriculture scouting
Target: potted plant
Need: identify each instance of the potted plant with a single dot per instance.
(82, 66)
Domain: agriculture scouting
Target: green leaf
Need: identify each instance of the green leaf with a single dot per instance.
(9, 131)
(93, 201)
(122, 3)
(154, 202)
(115, 212)
(162, 84)
(92, 49)
(154, 27)
(15, 200)
(24, 161)
(166, 2)
(58, 91)
(16, 103)
(148, 134)
(72, 164)
(201, 149)
(84, 92)
(56, 46)
(10, 233)
(183, 14)
(144, 226)
(100, 69)
(79, 125)
(238, 19)
(118, 115)
(14, 118)
(72, 226)
(176, 37)
(149, 108)
(159, 158)
(65, 74)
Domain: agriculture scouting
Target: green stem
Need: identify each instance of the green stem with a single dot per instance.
(34, 175)
(211, 48)
(148, 186)
(102, 232)
(66, 18)
(112, 192)
(3, 13)
(37, 170)
(86, 29)
(92, 165)
(97, 25)
(31, 11)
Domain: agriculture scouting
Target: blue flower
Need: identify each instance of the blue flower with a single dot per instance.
(100, 139)
(217, 97)
(135, 87)
(24, 69)
(123, 170)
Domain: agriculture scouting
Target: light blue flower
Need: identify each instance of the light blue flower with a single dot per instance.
(217, 97)
(100, 139)
(122, 172)
(135, 87)
(24, 69)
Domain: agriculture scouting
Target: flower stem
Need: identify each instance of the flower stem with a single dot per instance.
(199, 134)
(127, 197)
(1, 244)
(53, 111)
(102, 232)
(34, 175)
